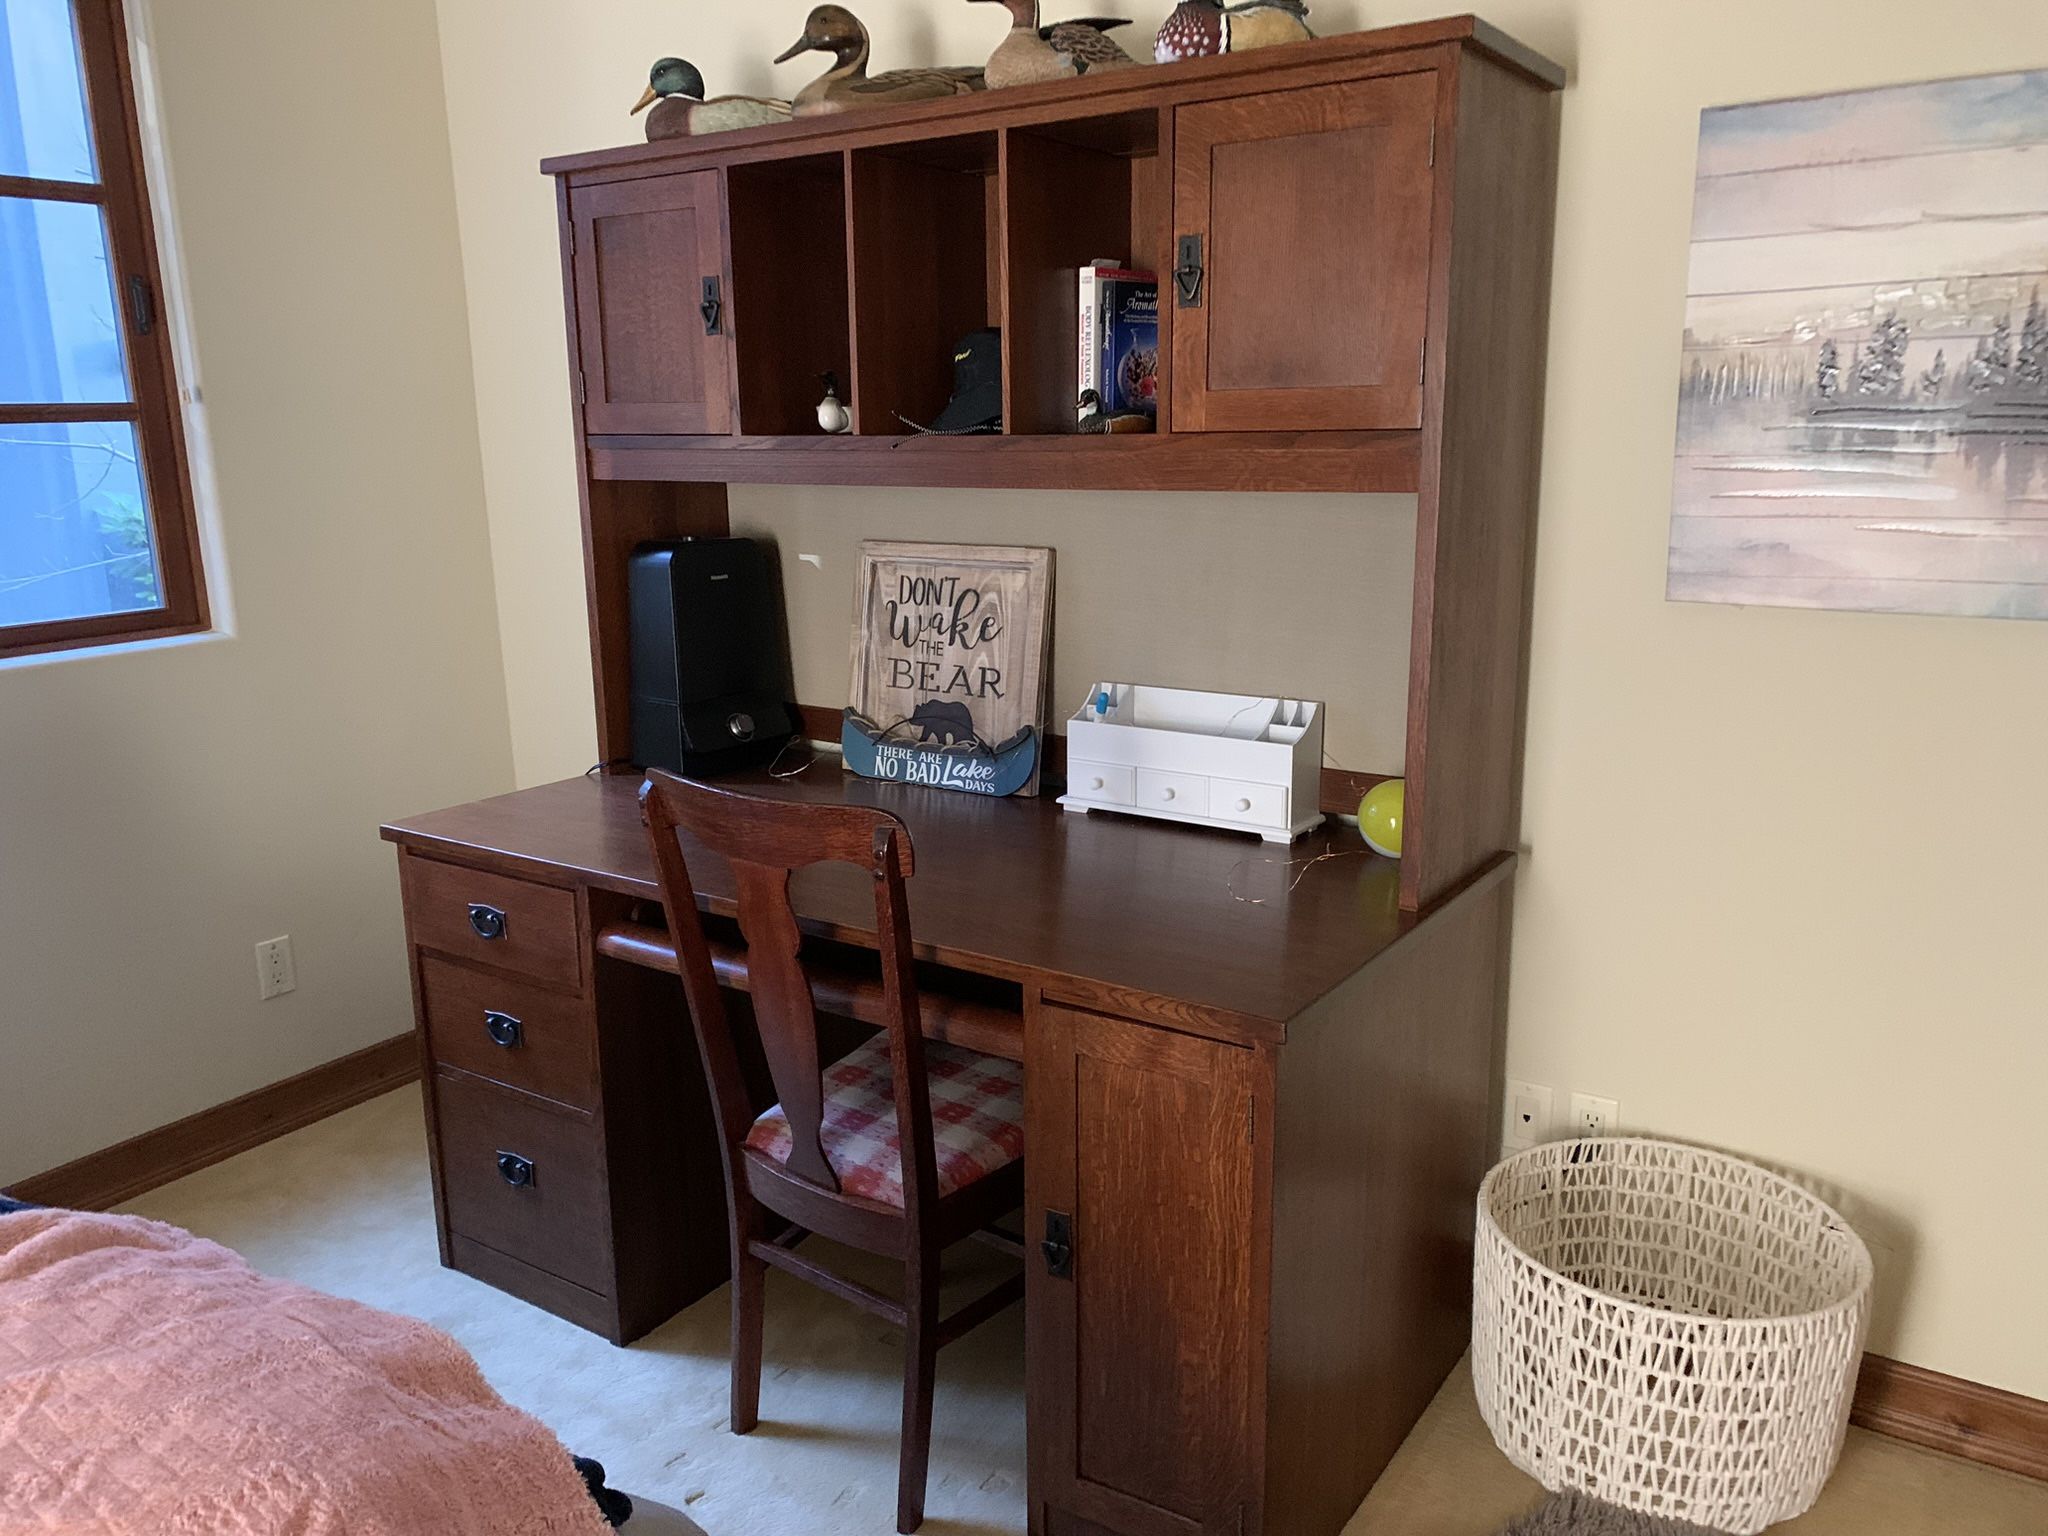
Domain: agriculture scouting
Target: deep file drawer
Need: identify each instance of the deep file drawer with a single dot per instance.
(509, 1031)
(524, 1177)
(493, 920)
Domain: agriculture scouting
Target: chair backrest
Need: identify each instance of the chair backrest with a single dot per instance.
(765, 841)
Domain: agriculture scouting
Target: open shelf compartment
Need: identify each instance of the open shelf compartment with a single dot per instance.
(787, 223)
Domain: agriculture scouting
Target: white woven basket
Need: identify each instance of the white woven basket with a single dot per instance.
(1669, 1329)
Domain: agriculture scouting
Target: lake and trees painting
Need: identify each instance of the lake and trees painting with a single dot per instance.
(1863, 409)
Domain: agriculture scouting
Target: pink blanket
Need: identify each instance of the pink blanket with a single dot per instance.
(152, 1384)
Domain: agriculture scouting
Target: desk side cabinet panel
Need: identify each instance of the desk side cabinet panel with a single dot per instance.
(653, 340)
(1143, 1302)
(1300, 289)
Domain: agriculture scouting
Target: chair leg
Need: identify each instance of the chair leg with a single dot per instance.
(920, 1366)
(749, 1288)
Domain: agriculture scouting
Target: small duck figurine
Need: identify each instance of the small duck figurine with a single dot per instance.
(833, 416)
(846, 85)
(675, 90)
(1058, 52)
(1197, 29)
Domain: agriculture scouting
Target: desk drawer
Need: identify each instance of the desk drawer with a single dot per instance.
(1108, 782)
(509, 1031)
(493, 920)
(1185, 794)
(523, 1177)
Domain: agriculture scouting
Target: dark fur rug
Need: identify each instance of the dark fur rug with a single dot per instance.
(1573, 1514)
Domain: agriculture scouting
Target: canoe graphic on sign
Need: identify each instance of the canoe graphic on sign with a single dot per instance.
(950, 648)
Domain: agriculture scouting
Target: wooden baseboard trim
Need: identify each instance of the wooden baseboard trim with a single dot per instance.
(101, 1180)
(1946, 1413)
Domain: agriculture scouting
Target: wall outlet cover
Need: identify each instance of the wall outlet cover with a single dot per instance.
(275, 974)
(1594, 1116)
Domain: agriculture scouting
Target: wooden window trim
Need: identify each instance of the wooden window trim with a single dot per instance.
(156, 411)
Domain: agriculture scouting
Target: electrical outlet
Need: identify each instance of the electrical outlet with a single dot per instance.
(1526, 1115)
(274, 974)
(1594, 1116)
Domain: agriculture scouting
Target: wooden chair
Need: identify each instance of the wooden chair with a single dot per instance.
(821, 1157)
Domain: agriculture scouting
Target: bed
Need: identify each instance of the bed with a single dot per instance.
(153, 1384)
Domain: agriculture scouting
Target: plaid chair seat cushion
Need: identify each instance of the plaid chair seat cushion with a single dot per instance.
(977, 1119)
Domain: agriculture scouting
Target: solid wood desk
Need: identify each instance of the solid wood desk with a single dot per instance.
(1262, 1121)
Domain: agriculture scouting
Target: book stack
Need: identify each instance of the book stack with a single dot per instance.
(1119, 342)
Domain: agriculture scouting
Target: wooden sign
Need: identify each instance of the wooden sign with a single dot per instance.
(951, 645)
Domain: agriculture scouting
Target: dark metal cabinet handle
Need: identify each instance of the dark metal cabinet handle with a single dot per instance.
(1058, 1246)
(504, 1029)
(515, 1170)
(487, 922)
(711, 306)
(1187, 272)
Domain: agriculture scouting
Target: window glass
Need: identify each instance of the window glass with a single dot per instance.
(60, 336)
(74, 537)
(43, 129)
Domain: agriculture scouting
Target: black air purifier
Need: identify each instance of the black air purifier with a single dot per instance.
(709, 663)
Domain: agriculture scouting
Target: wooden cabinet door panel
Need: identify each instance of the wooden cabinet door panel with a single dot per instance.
(1142, 1357)
(643, 251)
(1313, 207)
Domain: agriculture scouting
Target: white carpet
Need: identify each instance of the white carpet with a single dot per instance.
(345, 1206)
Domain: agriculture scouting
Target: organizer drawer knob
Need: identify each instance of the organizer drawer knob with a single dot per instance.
(515, 1170)
(1096, 782)
(1166, 793)
(1244, 803)
(487, 922)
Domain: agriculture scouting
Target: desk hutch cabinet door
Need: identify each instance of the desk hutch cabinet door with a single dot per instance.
(1301, 257)
(1142, 1303)
(650, 305)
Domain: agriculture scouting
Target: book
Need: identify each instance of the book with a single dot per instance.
(1118, 339)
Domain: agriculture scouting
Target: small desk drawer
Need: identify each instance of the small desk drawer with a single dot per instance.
(494, 920)
(1184, 793)
(1108, 782)
(509, 1032)
(523, 1177)
(1261, 804)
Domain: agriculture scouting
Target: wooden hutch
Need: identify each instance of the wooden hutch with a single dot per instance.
(1353, 237)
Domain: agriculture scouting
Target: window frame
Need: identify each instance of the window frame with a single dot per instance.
(156, 411)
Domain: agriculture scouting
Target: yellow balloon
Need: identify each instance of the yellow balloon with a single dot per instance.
(1379, 816)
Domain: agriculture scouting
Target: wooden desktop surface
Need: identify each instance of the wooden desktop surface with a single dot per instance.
(1110, 909)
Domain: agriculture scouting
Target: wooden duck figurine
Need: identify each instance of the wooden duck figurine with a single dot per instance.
(676, 92)
(1196, 29)
(847, 85)
(1058, 52)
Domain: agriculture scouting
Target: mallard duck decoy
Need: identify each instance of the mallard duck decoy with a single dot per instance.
(835, 30)
(676, 92)
(1196, 29)
(1057, 52)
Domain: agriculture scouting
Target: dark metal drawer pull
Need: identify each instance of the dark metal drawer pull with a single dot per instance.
(1187, 272)
(487, 921)
(515, 1170)
(504, 1029)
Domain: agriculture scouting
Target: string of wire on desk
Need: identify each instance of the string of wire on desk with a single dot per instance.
(1308, 863)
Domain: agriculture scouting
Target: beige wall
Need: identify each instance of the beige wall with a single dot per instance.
(162, 811)
(1782, 891)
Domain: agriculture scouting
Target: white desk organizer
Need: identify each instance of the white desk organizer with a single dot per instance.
(1231, 760)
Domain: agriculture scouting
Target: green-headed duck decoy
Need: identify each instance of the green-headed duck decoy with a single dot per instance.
(676, 92)
(1057, 52)
(835, 30)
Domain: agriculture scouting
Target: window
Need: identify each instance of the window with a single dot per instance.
(97, 536)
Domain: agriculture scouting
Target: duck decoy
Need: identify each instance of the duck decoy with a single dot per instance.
(1197, 29)
(675, 90)
(835, 30)
(1057, 52)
